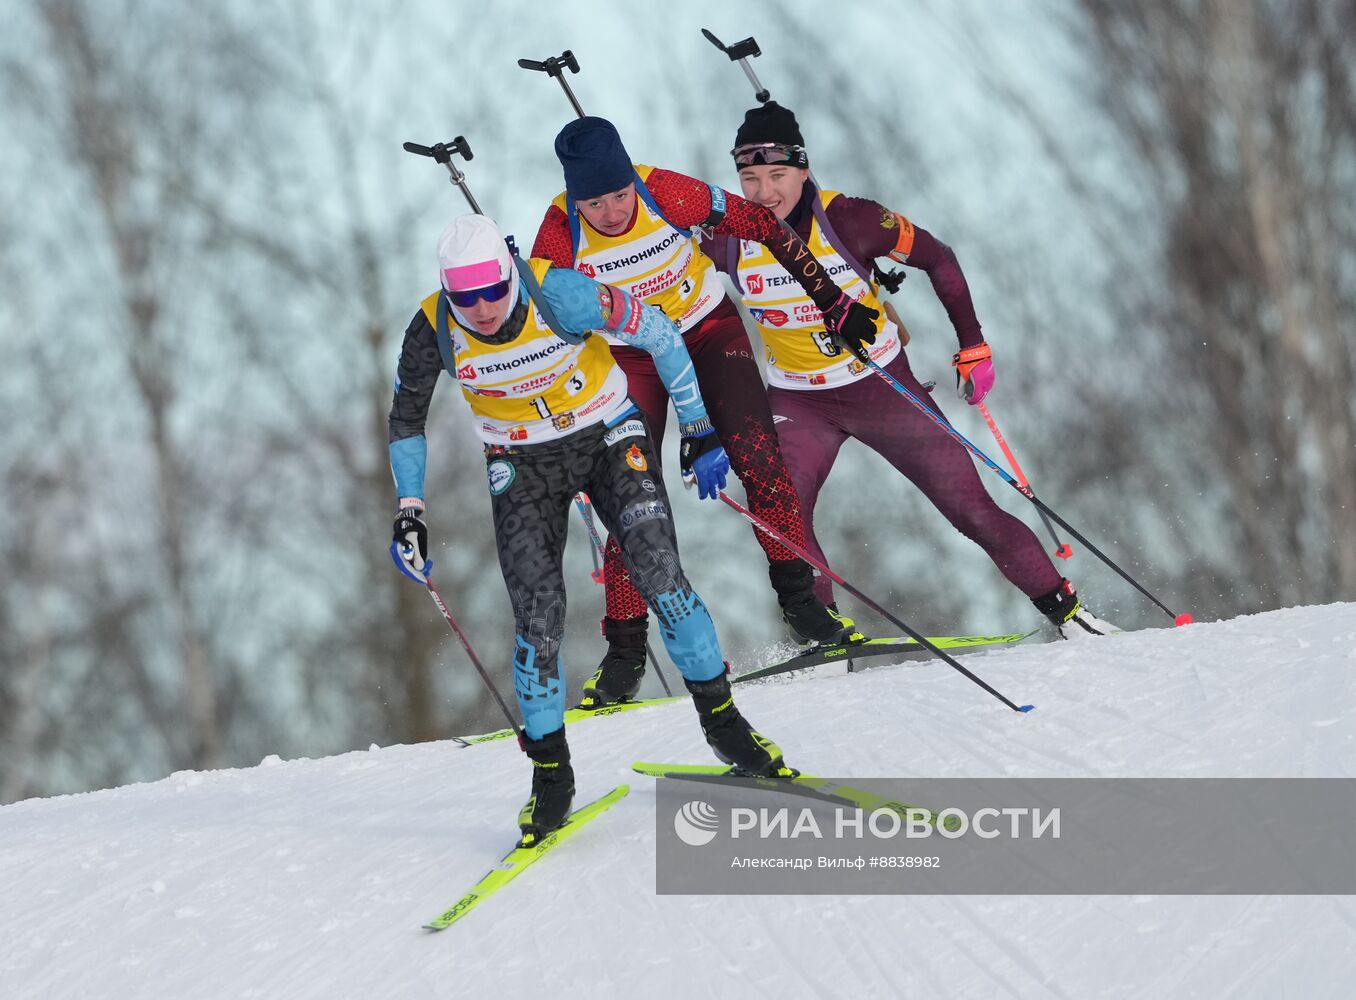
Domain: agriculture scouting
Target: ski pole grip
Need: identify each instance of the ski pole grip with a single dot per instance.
(744, 49)
(460, 145)
(553, 65)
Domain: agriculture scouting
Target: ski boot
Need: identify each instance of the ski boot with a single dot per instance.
(619, 675)
(1066, 611)
(552, 787)
(729, 734)
(810, 619)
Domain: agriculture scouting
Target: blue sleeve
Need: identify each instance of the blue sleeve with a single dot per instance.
(416, 378)
(408, 459)
(659, 335)
(582, 304)
(574, 299)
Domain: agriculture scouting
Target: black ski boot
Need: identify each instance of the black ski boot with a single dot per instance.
(619, 675)
(729, 733)
(552, 787)
(1067, 613)
(810, 619)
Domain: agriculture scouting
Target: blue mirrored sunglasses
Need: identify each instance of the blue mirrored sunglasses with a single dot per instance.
(469, 297)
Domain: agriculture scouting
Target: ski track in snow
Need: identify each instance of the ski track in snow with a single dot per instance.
(311, 878)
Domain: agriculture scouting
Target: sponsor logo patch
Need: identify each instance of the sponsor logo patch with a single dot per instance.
(563, 421)
(501, 475)
(755, 283)
(466, 371)
(626, 429)
(636, 458)
(585, 268)
(517, 433)
(648, 484)
(650, 510)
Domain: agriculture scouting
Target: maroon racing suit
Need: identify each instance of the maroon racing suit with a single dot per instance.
(727, 369)
(813, 423)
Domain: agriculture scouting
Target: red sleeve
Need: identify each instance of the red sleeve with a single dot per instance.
(685, 201)
(553, 239)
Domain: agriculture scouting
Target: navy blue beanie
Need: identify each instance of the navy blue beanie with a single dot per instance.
(594, 159)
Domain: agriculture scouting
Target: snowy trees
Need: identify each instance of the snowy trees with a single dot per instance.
(210, 244)
(1237, 123)
(200, 349)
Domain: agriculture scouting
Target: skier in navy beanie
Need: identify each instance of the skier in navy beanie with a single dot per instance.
(637, 225)
(593, 157)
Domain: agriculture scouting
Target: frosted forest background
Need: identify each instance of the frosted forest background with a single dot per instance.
(211, 243)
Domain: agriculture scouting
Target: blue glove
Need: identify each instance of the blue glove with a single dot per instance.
(702, 460)
(409, 545)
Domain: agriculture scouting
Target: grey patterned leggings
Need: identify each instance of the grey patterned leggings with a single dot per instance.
(532, 489)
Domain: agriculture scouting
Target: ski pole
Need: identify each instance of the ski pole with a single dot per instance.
(740, 52)
(555, 66)
(1062, 550)
(1026, 491)
(922, 640)
(475, 660)
(442, 152)
(585, 508)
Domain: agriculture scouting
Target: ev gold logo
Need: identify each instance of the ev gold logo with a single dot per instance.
(695, 823)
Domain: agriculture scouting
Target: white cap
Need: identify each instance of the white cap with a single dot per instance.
(472, 254)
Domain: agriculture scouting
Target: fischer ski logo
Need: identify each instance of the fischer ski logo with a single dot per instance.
(696, 823)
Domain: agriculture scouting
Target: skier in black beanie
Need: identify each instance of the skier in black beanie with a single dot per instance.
(821, 396)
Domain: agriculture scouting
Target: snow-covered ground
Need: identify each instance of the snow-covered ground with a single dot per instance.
(310, 878)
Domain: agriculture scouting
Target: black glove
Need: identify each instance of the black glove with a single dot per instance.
(853, 325)
(409, 544)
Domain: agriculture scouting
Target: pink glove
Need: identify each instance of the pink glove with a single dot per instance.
(974, 373)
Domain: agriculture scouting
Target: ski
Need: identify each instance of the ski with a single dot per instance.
(802, 784)
(513, 863)
(572, 715)
(851, 653)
